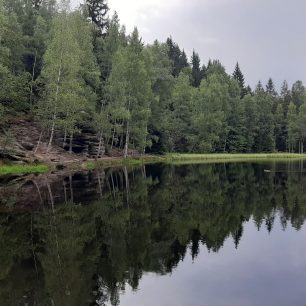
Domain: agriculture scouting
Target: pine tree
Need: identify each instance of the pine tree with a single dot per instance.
(270, 88)
(98, 13)
(196, 75)
(178, 57)
(238, 76)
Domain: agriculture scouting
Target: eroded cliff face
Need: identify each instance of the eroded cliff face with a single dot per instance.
(22, 141)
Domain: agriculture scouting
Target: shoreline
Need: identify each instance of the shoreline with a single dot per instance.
(17, 169)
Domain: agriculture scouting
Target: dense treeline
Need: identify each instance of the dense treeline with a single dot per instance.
(76, 70)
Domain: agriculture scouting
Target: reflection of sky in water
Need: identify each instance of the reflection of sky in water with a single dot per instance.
(267, 269)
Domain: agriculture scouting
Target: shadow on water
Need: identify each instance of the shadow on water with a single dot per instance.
(81, 239)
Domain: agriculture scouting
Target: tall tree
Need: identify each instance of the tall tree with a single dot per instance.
(130, 88)
(196, 75)
(178, 133)
(298, 93)
(292, 127)
(98, 13)
(178, 57)
(250, 122)
(209, 114)
(238, 76)
(62, 78)
(162, 86)
(265, 139)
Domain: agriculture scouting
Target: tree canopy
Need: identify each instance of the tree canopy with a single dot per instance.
(78, 70)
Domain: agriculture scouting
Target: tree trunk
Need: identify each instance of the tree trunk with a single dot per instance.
(113, 138)
(65, 138)
(32, 80)
(299, 147)
(70, 143)
(52, 132)
(100, 145)
(56, 98)
(127, 139)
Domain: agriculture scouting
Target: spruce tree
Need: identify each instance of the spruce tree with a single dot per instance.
(270, 88)
(196, 74)
(178, 57)
(98, 13)
(238, 76)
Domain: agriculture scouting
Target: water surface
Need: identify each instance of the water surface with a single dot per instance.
(214, 234)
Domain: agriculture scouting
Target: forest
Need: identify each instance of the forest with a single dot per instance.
(71, 71)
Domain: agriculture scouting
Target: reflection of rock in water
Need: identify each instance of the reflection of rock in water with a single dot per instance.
(34, 191)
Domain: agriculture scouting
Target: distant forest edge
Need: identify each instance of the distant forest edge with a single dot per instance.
(77, 71)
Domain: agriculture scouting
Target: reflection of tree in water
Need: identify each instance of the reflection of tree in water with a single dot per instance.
(125, 224)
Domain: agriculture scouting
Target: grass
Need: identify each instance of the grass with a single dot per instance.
(22, 169)
(225, 157)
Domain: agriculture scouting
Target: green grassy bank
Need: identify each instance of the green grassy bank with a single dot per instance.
(224, 157)
(22, 169)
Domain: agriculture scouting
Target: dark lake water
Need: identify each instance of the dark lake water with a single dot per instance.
(189, 235)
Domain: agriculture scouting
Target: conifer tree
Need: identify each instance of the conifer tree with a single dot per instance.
(98, 13)
(270, 88)
(178, 57)
(196, 70)
(238, 76)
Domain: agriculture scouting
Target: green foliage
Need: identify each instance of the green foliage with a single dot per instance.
(130, 91)
(196, 75)
(80, 72)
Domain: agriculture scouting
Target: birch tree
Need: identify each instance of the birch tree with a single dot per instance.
(130, 91)
(61, 73)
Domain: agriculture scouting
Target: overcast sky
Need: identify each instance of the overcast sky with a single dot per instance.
(266, 37)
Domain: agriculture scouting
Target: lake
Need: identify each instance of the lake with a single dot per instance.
(157, 235)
